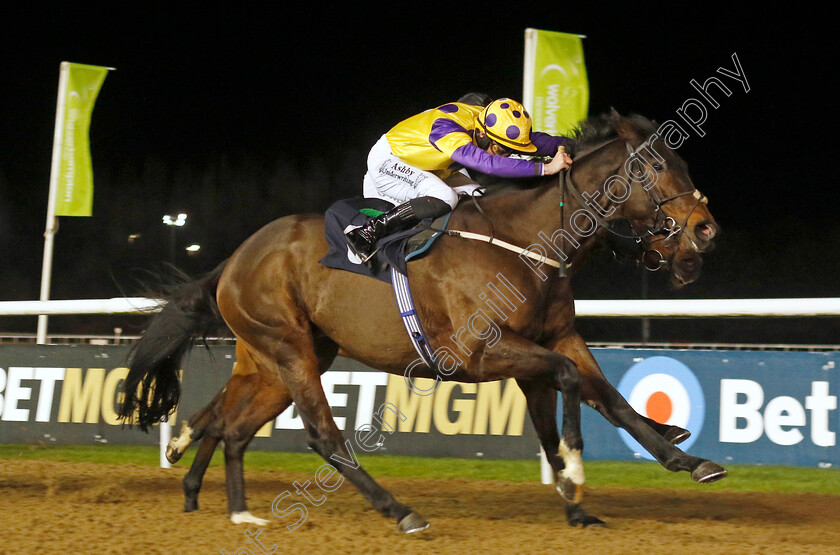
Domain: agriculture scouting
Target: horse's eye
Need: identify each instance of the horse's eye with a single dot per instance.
(657, 167)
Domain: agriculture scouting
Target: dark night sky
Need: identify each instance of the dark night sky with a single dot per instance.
(313, 83)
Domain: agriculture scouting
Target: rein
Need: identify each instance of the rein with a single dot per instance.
(668, 226)
(505, 245)
(566, 183)
(491, 239)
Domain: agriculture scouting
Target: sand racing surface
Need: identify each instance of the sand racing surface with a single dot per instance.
(59, 507)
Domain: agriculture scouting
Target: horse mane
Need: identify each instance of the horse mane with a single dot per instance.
(594, 131)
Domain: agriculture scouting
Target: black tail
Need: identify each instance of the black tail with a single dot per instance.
(152, 388)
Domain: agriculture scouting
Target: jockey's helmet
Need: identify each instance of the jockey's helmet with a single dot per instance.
(506, 122)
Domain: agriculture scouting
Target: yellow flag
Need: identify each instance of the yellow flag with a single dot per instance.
(74, 193)
(556, 90)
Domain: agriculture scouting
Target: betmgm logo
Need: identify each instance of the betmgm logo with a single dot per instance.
(666, 390)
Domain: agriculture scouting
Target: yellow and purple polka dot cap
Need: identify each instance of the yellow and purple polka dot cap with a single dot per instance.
(508, 123)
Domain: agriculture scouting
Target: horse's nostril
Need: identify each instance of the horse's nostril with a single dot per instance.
(705, 231)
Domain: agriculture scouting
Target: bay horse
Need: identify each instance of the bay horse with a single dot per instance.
(292, 316)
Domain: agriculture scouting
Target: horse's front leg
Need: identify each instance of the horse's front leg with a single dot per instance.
(658, 441)
(592, 386)
(542, 407)
(519, 358)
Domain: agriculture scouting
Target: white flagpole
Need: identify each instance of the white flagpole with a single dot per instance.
(546, 472)
(528, 69)
(52, 221)
(165, 435)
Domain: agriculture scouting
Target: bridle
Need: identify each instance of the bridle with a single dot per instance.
(665, 228)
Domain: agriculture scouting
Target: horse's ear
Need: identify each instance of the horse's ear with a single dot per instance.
(614, 117)
(626, 128)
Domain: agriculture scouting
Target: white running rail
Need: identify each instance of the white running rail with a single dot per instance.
(647, 308)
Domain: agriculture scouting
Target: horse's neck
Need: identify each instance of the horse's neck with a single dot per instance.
(525, 217)
(518, 216)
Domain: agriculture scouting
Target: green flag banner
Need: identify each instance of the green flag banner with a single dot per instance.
(74, 193)
(556, 91)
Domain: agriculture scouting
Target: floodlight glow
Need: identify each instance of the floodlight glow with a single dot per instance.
(179, 221)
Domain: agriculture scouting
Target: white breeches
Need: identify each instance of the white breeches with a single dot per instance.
(391, 179)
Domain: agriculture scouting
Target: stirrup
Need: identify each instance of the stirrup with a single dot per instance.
(364, 258)
(368, 260)
(371, 263)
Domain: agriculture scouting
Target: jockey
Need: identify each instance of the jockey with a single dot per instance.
(420, 164)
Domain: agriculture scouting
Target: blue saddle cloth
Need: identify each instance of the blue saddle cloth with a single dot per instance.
(394, 250)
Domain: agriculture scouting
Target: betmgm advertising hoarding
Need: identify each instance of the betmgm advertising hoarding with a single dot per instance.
(762, 407)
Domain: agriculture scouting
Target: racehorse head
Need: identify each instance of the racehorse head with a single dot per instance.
(669, 217)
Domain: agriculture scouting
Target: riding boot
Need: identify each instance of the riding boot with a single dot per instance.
(363, 239)
(405, 216)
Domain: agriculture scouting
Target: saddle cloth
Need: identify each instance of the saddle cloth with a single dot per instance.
(394, 253)
(394, 250)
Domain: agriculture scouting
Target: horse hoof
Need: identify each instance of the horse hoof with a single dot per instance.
(571, 492)
(676, 435)
(178, 445)
(412, 522)
(708, 472)
(173, 455)
(576, 516)
(245, 517)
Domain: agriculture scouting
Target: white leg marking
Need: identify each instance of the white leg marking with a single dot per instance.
(245, 517)
(574, 463)
(183, 441)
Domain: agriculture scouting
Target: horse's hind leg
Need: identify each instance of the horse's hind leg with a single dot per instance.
(209, 423)
(326, 440)
(300, 371)
(193, 479)
(194, 429)
(251, 402)
(200, 427)
(602, 396)
(235, 415)
(261, 395)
